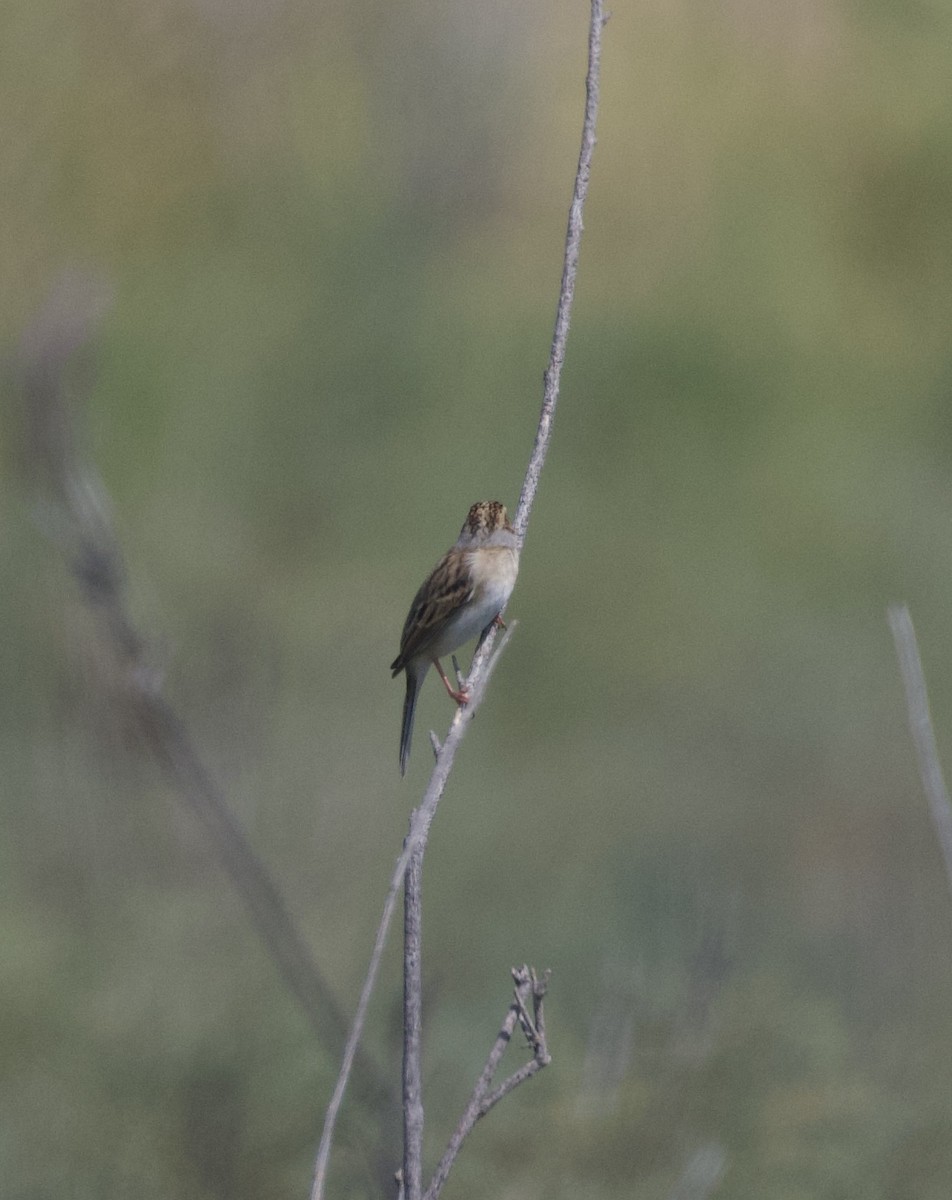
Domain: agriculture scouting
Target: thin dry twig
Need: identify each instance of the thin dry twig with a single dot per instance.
(573, 241)
(920, 726)
(485, 658)
(530, 989)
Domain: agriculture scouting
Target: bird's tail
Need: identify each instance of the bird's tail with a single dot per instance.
(409, 708)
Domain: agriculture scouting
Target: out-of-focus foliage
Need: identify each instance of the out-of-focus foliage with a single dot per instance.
(333, 237)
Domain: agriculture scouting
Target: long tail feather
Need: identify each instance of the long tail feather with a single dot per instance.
(409, 708)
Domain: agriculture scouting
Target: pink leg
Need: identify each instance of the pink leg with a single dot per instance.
(459, 696)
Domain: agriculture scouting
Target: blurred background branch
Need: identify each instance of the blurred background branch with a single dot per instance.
(72, 505)
(923, 734)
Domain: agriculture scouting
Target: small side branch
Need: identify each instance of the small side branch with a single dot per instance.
(527, 1010)
(920, 726)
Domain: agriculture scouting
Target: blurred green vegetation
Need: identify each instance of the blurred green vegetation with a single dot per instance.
(333, 235)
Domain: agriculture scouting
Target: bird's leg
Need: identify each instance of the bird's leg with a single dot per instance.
(497, 622)
(460, 696)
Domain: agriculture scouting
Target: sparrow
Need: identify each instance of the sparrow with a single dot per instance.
(462, 596)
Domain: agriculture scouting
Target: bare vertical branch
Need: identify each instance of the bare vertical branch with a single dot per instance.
(573, 241)
(413, 1027)
(920, 726)
(485, 658)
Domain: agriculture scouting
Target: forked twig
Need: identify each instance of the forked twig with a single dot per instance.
(530, 989)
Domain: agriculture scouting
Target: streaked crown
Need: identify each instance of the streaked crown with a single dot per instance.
(484, 518)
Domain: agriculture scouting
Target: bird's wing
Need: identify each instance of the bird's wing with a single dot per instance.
(448, 587)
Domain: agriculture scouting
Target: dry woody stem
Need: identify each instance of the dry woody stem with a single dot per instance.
(484, 660)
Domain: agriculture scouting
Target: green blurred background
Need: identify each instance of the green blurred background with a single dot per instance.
(333, 235)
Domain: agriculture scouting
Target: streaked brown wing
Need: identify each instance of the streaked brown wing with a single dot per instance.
(447, 589)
